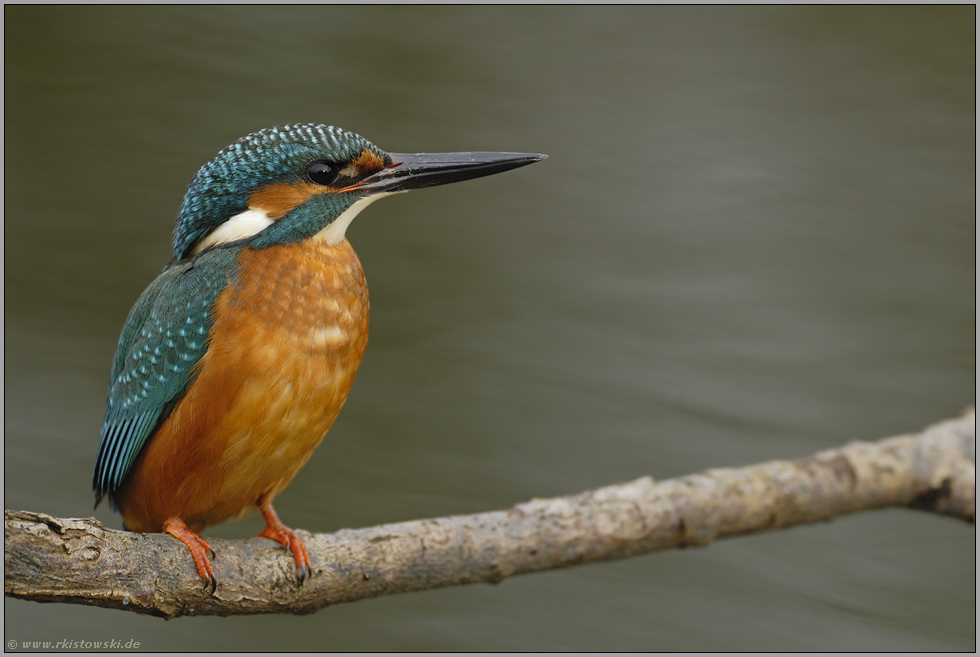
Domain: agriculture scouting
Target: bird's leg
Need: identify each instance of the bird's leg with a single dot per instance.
(280, 533)
(198, 546)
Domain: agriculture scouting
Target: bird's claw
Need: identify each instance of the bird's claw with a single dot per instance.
(199, 548)
(289, 539)
(280, 533)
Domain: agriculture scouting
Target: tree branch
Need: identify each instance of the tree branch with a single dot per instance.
(51, 559)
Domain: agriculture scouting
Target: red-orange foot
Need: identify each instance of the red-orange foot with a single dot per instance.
(280, 533)
(199, 549)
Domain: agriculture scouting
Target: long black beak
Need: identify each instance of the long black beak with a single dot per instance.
(416, 170)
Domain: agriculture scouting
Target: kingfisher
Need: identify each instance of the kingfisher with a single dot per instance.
(235, 362)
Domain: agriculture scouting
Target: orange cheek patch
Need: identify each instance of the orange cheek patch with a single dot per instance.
(366, 162)
(277, 200)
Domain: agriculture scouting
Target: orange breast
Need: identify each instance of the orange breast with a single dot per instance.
(287, 340)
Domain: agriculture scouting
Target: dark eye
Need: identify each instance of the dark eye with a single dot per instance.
(322, 173)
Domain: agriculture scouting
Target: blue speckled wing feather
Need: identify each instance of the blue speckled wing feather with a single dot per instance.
(165, 336)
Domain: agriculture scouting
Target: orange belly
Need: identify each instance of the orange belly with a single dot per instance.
(287, 339)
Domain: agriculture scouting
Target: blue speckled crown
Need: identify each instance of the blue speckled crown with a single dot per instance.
(220, 189)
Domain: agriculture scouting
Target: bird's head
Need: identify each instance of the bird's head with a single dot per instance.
(290, 183)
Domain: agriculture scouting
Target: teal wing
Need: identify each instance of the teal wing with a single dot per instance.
(165, 336)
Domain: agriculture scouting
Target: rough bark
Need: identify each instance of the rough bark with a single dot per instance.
(51, 559)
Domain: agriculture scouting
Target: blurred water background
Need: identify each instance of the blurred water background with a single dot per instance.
(754, 238)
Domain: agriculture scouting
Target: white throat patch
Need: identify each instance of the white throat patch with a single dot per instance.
(334, 233)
